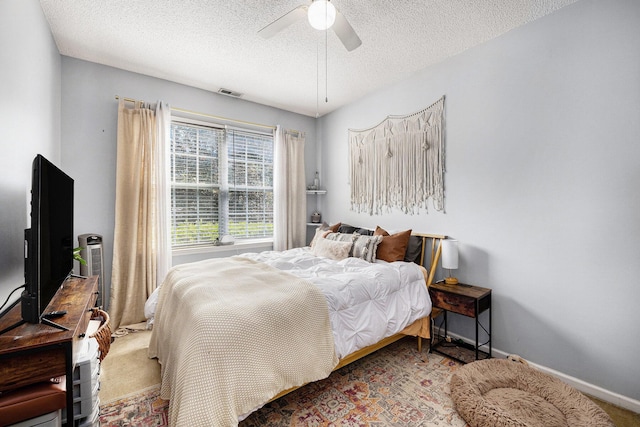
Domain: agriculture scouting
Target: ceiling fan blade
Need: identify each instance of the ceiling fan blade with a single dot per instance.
(284, 21)
(345, 32)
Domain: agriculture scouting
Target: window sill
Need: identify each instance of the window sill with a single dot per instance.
(236, 248)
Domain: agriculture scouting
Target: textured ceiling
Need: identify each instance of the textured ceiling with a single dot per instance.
(213, 44)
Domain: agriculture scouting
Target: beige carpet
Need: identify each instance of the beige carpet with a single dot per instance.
(127, 369)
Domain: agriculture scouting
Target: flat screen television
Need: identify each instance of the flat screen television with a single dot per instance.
(49, 241)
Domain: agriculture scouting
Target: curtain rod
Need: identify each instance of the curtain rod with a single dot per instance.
(195, 113)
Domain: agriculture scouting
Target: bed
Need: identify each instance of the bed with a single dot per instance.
(232, 334)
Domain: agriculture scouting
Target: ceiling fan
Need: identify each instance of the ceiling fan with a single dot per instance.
(322, 15)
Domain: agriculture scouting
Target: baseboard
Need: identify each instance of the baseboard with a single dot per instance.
(585, 387)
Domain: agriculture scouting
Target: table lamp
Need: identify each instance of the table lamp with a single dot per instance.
(450, 259)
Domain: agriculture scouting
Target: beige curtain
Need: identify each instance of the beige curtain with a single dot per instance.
(289, 228)
(162, 162)
(139, 228)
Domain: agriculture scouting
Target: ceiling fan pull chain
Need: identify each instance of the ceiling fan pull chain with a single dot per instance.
(326, 66)
(317, 77)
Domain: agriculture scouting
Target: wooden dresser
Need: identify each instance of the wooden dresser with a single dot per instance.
(32, 353)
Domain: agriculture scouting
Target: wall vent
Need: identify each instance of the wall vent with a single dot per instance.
(230, 93)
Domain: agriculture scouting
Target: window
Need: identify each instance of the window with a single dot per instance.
(221, 184)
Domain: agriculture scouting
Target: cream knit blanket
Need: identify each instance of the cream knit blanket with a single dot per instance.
(232, 333)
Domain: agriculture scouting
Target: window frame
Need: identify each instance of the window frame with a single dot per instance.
(221, 187)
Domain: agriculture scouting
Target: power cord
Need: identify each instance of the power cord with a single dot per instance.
(437, 328)
(2, 313)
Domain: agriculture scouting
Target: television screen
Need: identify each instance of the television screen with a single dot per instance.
(49, 242)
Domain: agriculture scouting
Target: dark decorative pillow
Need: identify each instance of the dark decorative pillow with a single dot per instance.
(346, 229)
(364, 231)
(392, 248)
(414, 249)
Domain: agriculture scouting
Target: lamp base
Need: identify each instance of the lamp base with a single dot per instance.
(450, 280)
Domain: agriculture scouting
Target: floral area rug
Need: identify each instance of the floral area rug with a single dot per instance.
(396, 386)
(141, 409)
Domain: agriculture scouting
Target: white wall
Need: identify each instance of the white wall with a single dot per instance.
(29, 122)
(89, 127)
(543, 172)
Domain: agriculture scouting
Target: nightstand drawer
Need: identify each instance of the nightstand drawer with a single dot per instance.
(455, 303)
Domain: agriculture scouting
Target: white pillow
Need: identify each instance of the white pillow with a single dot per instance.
(320, 232)
(331, 249)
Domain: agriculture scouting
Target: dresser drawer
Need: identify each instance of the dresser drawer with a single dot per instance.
(455, 303)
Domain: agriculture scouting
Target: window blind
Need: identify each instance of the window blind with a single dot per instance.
(221, 183)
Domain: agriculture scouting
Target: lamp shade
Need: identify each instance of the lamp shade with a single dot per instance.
(321, 14)
(450, 254)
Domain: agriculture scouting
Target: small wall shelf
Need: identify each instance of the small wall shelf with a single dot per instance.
(315, 193)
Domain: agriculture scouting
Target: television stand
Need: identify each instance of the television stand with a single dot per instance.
(33, 352)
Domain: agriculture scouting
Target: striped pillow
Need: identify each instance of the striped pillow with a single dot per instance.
(365, 247)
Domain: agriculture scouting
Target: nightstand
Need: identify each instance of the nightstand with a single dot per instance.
(466, 300)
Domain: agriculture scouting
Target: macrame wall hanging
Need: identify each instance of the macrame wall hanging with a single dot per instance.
(399, 163)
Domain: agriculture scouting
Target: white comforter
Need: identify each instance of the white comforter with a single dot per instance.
(367, 301)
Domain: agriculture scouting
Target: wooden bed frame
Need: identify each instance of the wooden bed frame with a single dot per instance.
(433, 256)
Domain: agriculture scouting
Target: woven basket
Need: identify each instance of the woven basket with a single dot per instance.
(103, 333)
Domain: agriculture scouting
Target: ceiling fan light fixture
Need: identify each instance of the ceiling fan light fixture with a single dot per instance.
(321, 14)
